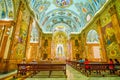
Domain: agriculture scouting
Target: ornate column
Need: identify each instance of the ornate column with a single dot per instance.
(1, 34)
(84, 45)
(115, 23)
(40, 48)
(2, 49)
(27, 53)
(102, 44)
(3, 42)
(73, 47)
(6, 30)
(16, 30)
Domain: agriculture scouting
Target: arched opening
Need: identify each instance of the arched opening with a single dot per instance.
(93, 46)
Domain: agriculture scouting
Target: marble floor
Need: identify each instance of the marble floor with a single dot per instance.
(72, 74)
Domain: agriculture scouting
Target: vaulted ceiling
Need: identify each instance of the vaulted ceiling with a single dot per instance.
(68, 15)
(72, 14)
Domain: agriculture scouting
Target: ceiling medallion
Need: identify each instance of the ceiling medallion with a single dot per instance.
(63, 3)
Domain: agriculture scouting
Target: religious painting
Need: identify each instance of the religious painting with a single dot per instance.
(2, 10)
(19, 51)
(63, 3)
(84, 10)
(111, 44)
(20, 47)
(41, 8)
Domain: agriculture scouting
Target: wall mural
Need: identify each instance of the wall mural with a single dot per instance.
(6, 9)
(20, 47)
(112, 47)
(105, 18)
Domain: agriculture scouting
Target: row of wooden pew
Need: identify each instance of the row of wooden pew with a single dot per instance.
(34, 68)
(95, 69)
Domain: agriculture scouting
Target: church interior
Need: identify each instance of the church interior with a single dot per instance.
(79, 37)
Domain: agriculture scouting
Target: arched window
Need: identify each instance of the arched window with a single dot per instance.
(92, 37)
(34, 34)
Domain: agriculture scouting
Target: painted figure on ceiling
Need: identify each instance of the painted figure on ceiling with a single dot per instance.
(63, 3)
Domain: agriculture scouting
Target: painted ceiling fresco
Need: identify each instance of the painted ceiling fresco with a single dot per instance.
(74, 13)
(6, 9)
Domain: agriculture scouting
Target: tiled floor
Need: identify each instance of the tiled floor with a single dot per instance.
(72, 74)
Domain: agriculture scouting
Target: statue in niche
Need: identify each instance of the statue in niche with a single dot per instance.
(60, 52)
(76, 43)
(46, 43)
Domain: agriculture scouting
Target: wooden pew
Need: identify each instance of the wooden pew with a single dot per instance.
(98, 68)
(41, 67)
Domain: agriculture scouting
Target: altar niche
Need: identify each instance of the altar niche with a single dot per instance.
(60, 51)
(59, 46)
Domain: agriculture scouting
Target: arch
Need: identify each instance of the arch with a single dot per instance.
(92, 37)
